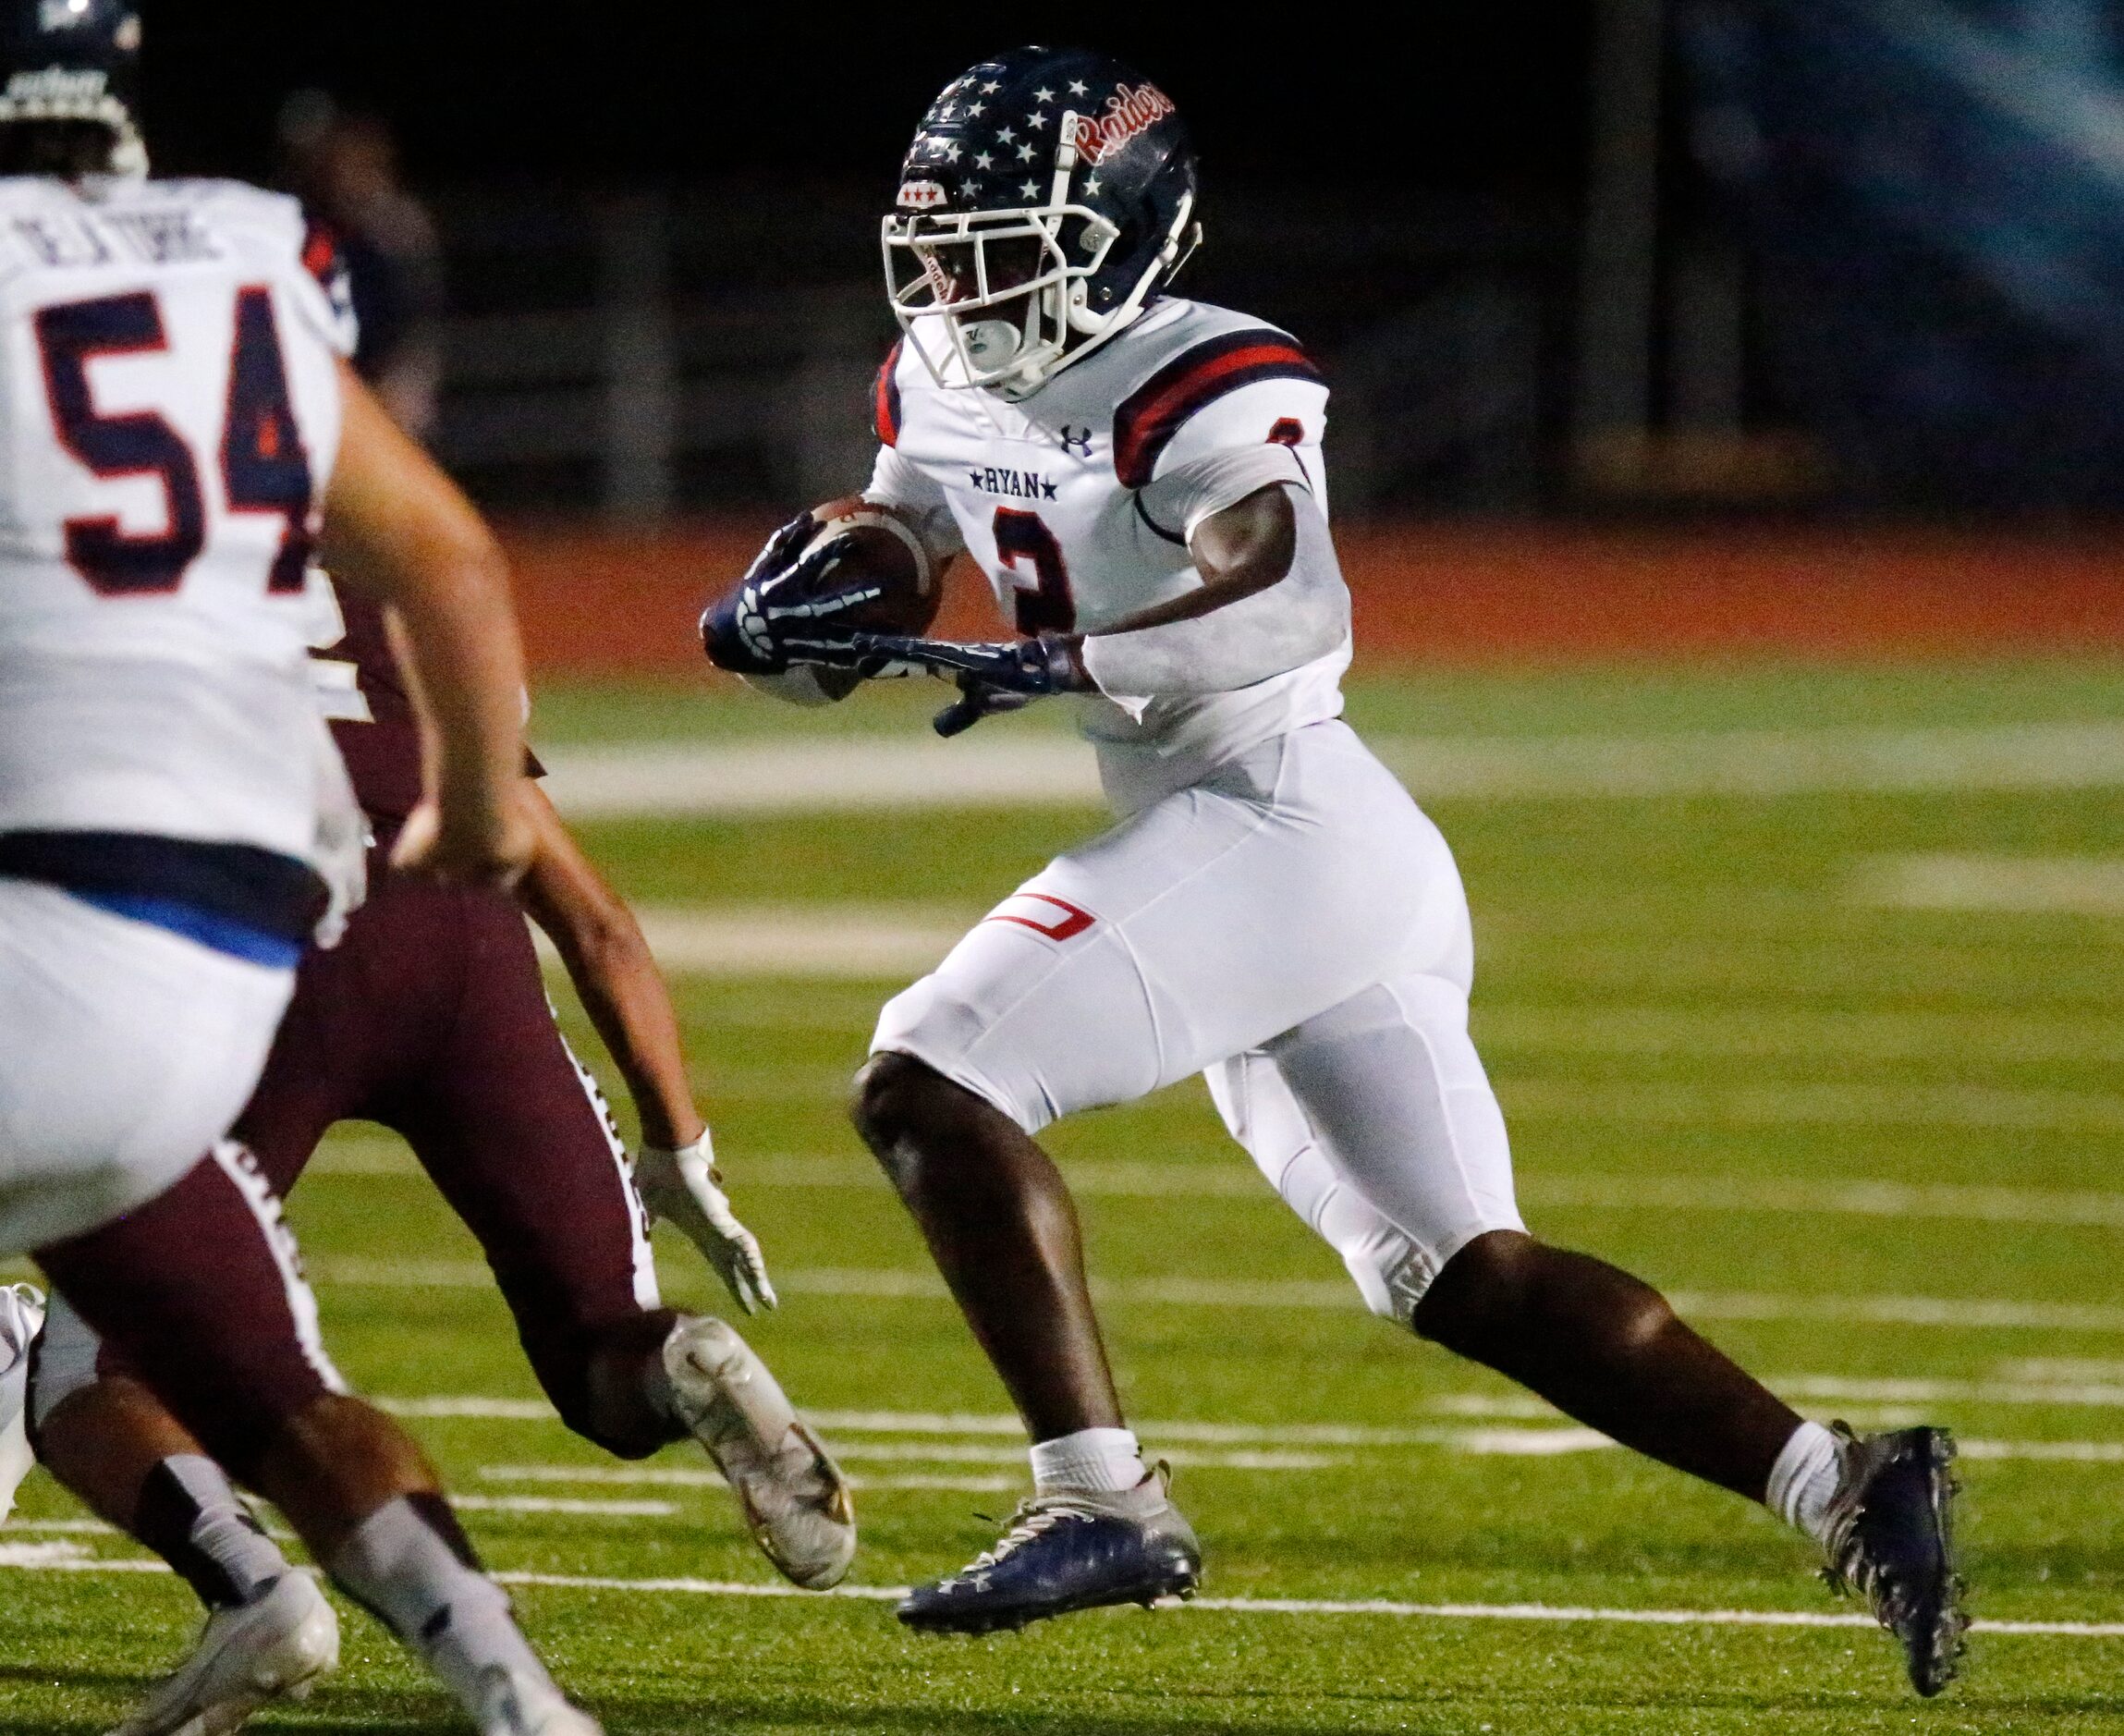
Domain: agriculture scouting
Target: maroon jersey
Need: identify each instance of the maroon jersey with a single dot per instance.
(364, 694)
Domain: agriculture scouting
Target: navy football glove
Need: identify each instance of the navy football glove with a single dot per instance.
(770, 619)
(992, 677)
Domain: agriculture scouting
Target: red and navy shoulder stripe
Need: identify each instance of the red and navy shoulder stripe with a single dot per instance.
(321, 255)
(1149, 418)
(885, 399)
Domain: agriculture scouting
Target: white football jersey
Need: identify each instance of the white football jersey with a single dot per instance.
(1078, 502)
(169, 416)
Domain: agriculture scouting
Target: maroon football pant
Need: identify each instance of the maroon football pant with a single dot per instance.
(201, 1294)
(429, 1017)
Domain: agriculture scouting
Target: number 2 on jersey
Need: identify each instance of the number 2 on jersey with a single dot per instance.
(1023, 536)
(263, 465)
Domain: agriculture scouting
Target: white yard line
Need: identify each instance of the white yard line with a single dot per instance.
(565, 1505)
(1855, 1196)
(2102, 1396)
(837, 942)
(71, 1557)
(1830, 1195)
(887, 1284)
(1858, 1197)
(1806, 1104)
(870, 772)
(2066, 885)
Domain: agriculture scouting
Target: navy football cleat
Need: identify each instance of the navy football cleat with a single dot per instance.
(1075, 1549)
(1891, 1537)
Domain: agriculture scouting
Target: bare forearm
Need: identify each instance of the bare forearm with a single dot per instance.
(615, 978)
(625, 995)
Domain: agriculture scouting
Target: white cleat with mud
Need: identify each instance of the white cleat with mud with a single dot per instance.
(275, 1647)
(22, 1314)
(794, 1497)
(513, 1705)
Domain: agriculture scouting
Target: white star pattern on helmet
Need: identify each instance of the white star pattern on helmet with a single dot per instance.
(1030, 189)
(951, 151)
(1042, 96)
(1005, 135)
(1037, 122)
(1025, 153)
(1091, 186)
(982, 160)
(990, 88)
(1078, 87)
(977, 108)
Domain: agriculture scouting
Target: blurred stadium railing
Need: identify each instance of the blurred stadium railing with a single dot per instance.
(639, 354)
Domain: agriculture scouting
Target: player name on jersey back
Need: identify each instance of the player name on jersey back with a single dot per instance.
(169, 417)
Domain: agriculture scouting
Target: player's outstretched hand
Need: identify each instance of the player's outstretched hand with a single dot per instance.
(481, 839)
(683, 1189)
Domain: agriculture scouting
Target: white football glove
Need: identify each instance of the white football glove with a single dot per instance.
(683, 1188)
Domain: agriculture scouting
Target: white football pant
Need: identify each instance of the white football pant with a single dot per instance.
(1293, 927)
(125, 1053)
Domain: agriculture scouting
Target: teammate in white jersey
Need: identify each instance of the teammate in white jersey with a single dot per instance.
(178, 427)
(1141, 478)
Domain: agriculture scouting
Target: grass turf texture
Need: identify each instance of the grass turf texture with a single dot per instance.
(1668, 992)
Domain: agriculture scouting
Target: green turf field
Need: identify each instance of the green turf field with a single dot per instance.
(1875, 1148)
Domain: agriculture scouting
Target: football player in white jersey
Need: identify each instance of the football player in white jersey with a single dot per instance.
(1141, 478)
(178, 427)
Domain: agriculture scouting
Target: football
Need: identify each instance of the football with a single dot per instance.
(883, 550)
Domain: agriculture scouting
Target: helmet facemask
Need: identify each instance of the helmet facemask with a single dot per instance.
(1010, 289)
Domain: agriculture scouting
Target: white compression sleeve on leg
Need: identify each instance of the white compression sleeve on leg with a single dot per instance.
(1304, 615)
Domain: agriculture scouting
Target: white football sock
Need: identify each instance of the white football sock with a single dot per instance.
(410, 1563)
(1100, 1458)
(1804, 1481)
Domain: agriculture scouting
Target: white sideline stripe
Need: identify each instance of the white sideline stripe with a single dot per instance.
(841, 942)
(1862, 1197)
(37, 1558)
(874, 772)
(2069, 1452)
(1808, 1105)
(887, 1284)
(1952, 1313)
(2069, 885)
(1830, 1196)
(563, 1504)
(654, 1476)
(2099, 1396)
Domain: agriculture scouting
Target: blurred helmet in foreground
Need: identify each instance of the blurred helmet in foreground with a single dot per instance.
(75, 61)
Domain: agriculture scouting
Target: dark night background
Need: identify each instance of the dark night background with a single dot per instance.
(1638, 255)
(1461, 95)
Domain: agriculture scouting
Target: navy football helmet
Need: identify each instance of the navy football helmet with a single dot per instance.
(75, 60)
(1047, 196)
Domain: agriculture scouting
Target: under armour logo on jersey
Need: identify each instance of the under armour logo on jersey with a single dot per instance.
(1075, 439)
